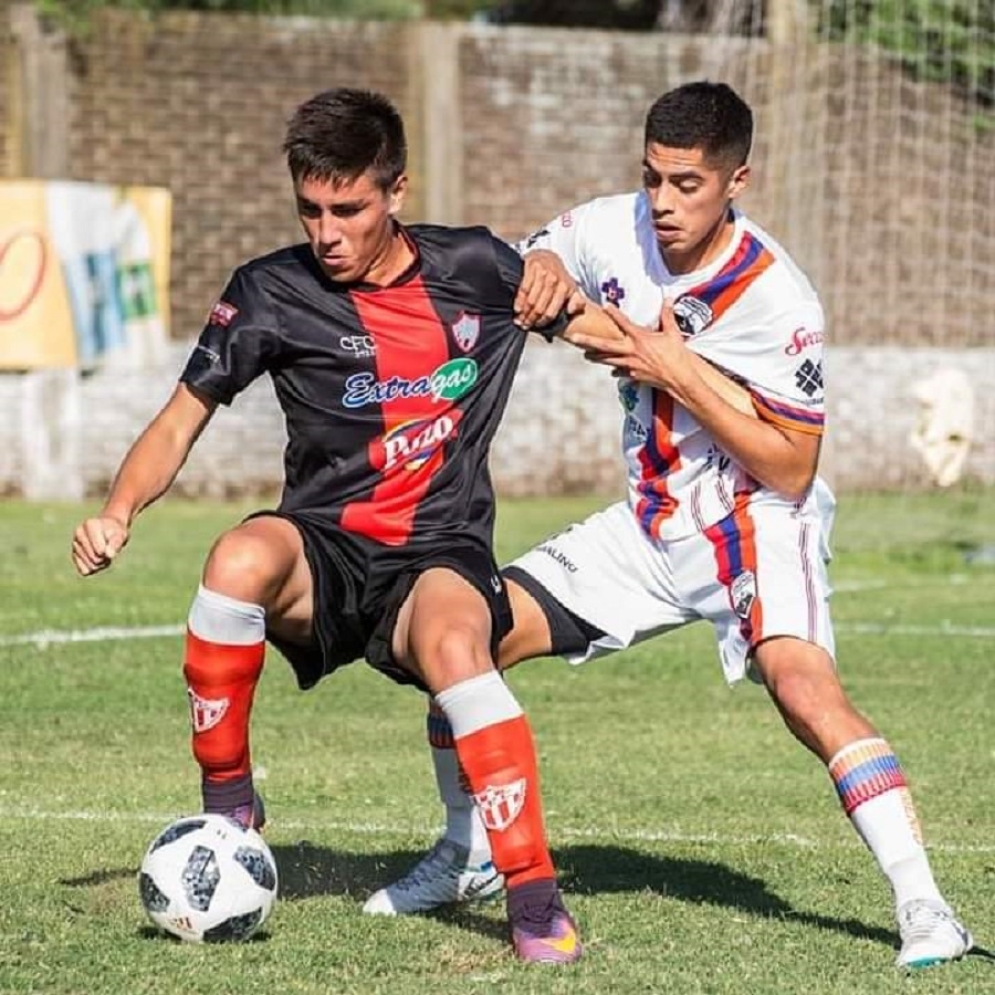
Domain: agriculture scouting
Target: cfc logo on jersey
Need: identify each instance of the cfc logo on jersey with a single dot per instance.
(693, 315)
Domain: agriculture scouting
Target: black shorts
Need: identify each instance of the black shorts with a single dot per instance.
(359, 588)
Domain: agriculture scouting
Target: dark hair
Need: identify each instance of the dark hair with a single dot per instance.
(341, 133)
(703, 115)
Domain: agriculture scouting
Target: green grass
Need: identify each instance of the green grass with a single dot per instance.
(702, 850)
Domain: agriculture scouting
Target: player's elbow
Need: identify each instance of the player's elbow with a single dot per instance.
(795, 484)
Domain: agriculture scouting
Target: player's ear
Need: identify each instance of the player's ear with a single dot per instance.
(397, 194)
(738, 181)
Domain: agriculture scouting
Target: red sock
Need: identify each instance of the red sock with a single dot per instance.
(221, 683)
(500, 763)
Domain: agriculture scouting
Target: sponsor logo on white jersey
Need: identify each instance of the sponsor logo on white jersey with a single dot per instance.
(628, 395)
(801, 339)
(205, 713)
(613, 291)
(501, 805)
(466, 330)
(808, 376)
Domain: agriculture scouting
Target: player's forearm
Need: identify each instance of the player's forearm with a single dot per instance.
(145, 474)
(783, 463)
(594, 323)
(153, 462)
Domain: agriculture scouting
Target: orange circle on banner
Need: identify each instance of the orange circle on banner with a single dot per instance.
(23, 257)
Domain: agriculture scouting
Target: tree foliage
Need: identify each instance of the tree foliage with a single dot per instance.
(948, 40)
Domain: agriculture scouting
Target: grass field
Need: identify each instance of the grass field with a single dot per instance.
(701, 849)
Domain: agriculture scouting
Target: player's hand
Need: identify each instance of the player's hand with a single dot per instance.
(657, 357)
(96, 542)
(546, 290)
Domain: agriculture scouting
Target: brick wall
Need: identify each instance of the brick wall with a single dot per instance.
(199, 103)
(880, 187)
(560, 433)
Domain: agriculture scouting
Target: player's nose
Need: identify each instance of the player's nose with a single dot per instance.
(329, 233)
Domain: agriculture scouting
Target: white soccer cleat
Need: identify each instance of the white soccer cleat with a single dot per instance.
(931, 934)
(444, 876)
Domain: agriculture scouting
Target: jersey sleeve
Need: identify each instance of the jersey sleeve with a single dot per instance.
(565, 235)
(238, 343)
(510, 267)
(790, 389)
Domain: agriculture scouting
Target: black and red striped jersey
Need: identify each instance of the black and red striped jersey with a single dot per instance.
(391, 395)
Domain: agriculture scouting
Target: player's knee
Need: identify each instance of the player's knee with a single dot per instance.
(800, 677)
(452, 652)
(243, 564)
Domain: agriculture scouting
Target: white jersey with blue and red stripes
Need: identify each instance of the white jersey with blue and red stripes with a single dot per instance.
(751, 312)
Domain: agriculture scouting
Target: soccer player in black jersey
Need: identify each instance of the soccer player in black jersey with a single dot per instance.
(392, 350)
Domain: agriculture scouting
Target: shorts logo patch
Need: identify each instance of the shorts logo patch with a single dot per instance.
(466, 330)
(222, 314)
(558, 556)
(743, 592)
(500, 805)
(205, 713)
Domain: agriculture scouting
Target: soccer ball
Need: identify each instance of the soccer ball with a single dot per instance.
(207, 878)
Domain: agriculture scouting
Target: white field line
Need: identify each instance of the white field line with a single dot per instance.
(50, 637)
(429, 832)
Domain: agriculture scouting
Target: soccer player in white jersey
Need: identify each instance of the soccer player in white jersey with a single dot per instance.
(725, 518)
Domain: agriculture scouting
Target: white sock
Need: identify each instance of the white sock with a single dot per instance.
(874, 794)
(216, 618)
(463, 823)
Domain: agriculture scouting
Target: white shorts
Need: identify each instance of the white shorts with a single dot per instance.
(760, 572)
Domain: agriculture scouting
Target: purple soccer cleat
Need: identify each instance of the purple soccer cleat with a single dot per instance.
(542, 931)
(251, 815)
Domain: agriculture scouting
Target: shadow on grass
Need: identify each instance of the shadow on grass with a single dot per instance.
(307, 869)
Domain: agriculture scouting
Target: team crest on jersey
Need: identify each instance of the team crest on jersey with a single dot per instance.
(693, 315)
(466, 330)
(743, 593)
(501, 805)
(613, 291)
(205, 713)
(222, 314)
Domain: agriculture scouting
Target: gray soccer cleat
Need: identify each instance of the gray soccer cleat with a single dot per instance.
(444, 876)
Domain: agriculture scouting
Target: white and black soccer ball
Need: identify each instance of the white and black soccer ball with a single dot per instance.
(207, 878)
